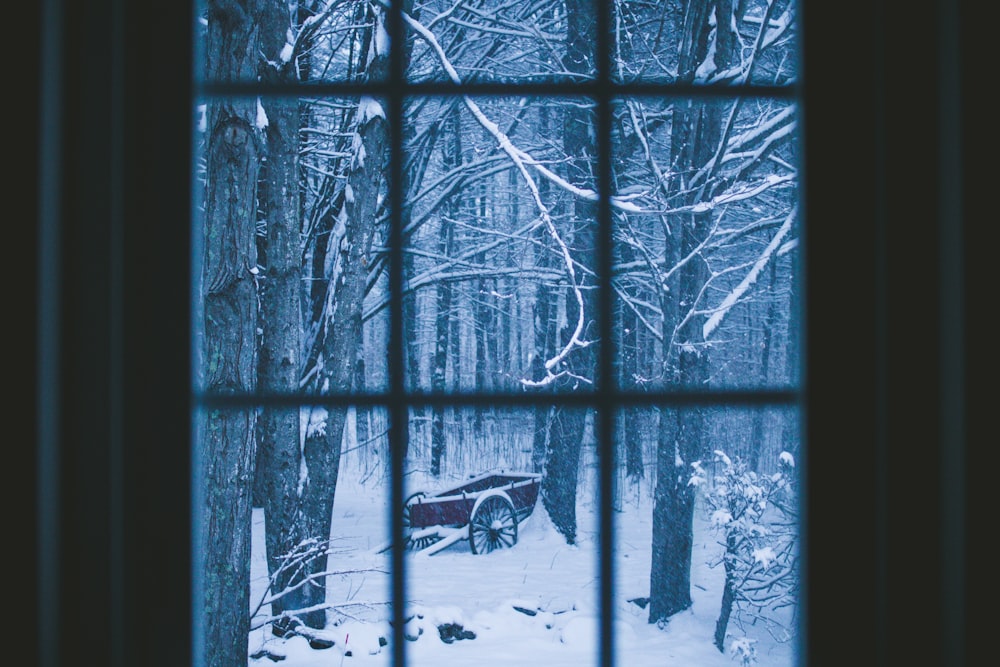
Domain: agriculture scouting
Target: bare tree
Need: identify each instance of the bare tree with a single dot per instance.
(715, 182)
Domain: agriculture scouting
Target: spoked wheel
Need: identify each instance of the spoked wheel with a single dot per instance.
(408, 529)
(493, 525)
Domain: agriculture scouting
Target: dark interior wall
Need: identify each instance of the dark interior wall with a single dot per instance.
(110, 577)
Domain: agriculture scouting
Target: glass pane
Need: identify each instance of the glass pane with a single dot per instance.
(510, 42)
(500, 231)
(291, 224)
(299, 537)
(502, 561)
(291, 43)
(707, 498)
(659, 42)
(706, 229)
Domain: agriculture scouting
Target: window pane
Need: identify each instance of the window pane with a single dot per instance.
(500, 256)
(491, 576)
(661, 42)
(510, 42)
(299, 538)
(287, 44)
(350, 568)
(707, 498)
(707, 243)
(292, 228)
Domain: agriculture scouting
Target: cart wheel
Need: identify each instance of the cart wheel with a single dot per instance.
(493, 525)
(419, 543)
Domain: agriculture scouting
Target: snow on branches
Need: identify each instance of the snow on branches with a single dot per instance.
(756, 517)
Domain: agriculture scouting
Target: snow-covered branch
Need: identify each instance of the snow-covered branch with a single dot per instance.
(733, 297)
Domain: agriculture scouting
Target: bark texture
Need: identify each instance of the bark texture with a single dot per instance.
(233, 154)
(280, 365)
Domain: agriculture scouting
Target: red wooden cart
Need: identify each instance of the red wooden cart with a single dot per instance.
(485, 510)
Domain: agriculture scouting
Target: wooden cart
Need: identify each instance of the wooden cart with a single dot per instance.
(485, 510)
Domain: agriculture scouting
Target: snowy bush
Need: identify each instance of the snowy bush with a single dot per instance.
(756, 517)
(743, 650)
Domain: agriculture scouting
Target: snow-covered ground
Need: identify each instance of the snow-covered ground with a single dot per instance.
(535, 603)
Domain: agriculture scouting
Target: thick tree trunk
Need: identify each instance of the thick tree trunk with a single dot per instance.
(791, 436)
(670, 579)
(230, 333)
(678, 448)
(439, 375)
(542, 416)
(279, 447)
(561, 469)
(696, 133)
(505, 338)
(455, 354)
(362, 414)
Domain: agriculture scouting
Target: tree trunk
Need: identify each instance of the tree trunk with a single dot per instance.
(757, 432)
(481, 330)
(279, 447)
(230, 336)
(351, 250)
(544, 327)
(442, 323)
(439, 374)
(791, 434)
(696, 133)
(673, 513)
(728, 595)
(561, 469)
(566, 436)
(671, 564)
(544, 348)
(362, 414)
(632, 418)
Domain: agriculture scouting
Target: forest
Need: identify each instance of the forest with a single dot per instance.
(515, 196)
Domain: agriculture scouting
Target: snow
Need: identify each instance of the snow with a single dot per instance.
(765, 556)
(382, 38)
(201, 112)
(535, 603)
(261, 120)
(358, 148)
(369, 108)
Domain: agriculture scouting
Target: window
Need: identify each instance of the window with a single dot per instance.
(556, 247)
(115, 471)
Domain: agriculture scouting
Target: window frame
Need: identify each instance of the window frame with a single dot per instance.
(112, 469)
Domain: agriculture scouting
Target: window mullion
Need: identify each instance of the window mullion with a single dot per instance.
(398, 409)
(607, 405)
